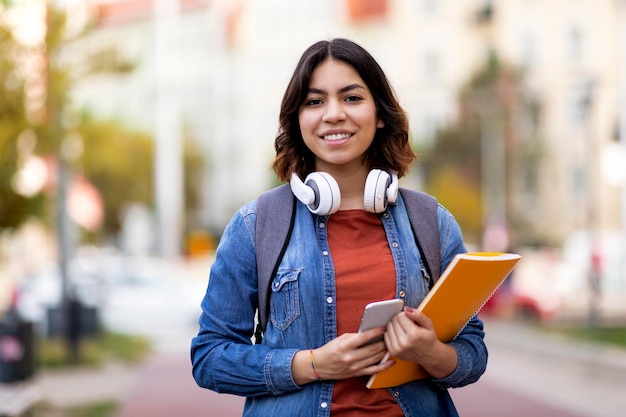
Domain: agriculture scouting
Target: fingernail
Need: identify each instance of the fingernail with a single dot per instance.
(409, 309)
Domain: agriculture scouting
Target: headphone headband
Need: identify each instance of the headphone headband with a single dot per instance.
(320, 192)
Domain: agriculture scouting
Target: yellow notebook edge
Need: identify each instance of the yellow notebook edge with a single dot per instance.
(490, 295)
(497, 256)
(510, 256)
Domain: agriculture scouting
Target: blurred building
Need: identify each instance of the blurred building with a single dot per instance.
(235, 58)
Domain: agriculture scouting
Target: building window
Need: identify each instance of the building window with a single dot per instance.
(575, 46)
(430, 6)
(430, 66)
(580, 102)
(580, 183)
(529, 52)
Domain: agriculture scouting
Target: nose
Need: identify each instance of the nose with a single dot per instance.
(334, 112)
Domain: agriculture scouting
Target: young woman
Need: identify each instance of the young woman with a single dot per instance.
(339, 121)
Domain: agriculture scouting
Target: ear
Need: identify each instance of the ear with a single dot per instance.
(380, 123)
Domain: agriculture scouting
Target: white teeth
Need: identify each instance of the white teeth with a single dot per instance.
(337, 136)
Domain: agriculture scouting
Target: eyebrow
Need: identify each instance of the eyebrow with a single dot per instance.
(341, 90)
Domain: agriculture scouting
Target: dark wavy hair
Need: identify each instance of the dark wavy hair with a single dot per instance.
(390, 150)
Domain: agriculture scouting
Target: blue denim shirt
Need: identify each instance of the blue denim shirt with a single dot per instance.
(303, 316)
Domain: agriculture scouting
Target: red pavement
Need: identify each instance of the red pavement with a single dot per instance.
(165, 388)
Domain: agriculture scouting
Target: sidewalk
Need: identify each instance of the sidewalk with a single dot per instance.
(161, 386)
(164, 387)
(77, 387)
(583, 378)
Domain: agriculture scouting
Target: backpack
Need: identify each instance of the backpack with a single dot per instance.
(275, 219)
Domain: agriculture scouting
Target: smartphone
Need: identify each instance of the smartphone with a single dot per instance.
(378, 314)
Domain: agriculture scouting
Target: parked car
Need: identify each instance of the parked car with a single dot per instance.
(39, 297)
(557, 284)
(151, 296)
(125, 294)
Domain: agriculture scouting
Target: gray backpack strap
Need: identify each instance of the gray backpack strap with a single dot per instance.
(422, 210)
(272, 233)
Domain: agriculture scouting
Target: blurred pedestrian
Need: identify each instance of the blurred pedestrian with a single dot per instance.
(340, 121)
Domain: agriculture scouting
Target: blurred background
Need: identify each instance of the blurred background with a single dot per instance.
(131, 130)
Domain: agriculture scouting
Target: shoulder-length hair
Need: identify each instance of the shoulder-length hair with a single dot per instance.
(390, 150)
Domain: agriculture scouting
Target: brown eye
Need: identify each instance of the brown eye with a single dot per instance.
(313, 102)
(353, 98)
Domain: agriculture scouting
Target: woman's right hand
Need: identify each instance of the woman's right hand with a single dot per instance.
(344, 357)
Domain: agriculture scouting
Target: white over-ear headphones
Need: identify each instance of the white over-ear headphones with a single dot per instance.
(320, 192)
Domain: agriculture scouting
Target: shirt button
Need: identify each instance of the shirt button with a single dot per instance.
(322, 225)
(324, 404)
(386, 215)
(325, 252)
(329, 300)
(402, 294)
(394, 244)
(396, 394)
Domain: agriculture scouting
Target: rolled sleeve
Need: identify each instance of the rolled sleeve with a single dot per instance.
(472, 356)
(277, 369)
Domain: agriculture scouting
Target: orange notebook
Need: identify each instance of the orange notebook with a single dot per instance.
(460, 292)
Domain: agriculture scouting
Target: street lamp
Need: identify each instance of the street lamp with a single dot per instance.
(69, 152)
(621, 103)
(168, 150)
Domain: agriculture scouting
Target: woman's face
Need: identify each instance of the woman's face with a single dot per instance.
(338, 117)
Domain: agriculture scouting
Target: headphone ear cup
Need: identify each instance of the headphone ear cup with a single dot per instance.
(392, 191)
(327, 194)
(375, 194)
(303, 193)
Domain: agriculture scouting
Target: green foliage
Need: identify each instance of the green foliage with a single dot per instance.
(119, 163)
(54, 124)
(48, 129)
(495, 100)
(193, 165)
(458, 194)
(614, 336)
(452, 172)
(14, 208)
(95, 351)
(128, 349)
(100, 409)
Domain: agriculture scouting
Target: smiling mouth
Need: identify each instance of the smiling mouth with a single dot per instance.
(338, 136)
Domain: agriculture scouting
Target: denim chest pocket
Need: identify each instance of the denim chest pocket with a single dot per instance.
(285, 302)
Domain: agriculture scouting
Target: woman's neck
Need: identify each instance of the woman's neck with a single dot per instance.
(352, 187)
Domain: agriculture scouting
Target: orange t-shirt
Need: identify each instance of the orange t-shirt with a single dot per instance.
(364, 272)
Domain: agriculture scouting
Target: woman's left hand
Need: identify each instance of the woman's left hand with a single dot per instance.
(411, 336)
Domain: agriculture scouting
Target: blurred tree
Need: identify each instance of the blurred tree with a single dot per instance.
(193, 166)
(37, 117)
(494, 96)
(117, 160)
(120, 163)
(52, 118)
(15, 208)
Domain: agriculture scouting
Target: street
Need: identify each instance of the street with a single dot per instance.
(534, 367)
(486, 400)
